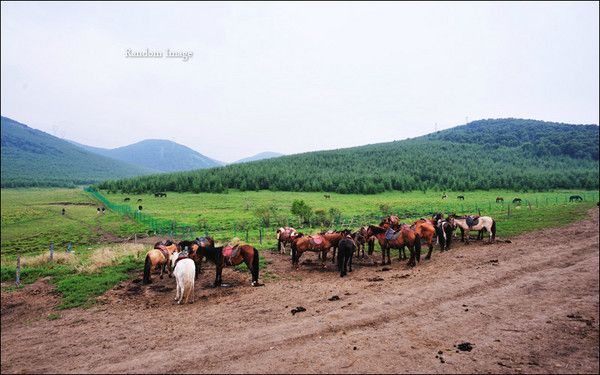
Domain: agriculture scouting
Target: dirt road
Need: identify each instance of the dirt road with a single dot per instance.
(527, 306)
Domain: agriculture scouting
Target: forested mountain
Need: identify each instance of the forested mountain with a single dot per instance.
(260, 156)
(31, 157)
(504, 153)
(158, 155)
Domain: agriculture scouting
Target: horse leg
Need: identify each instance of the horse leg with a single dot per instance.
(324, 259)
(412, 262)
(430, 243)
(350, 262)
(218, 280)
(334, 252)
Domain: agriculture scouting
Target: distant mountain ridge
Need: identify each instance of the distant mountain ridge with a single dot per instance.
(158, 155)
(259, 156)
(513, 154)
(32, 157)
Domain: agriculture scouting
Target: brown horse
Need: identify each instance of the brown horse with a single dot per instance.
(405, 237)
(285, 235)
(231, 256)
(361, 238)
(316, 243)
(426, 230)
(158, 257)
(334, 237)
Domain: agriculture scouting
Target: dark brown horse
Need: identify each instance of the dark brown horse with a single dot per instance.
(334, 237)
(158, 258)
(405, 237)
(315, 243)
(426, 230)
(192, 249)
(285, 235)
(347, 246)
(231, 256)
(390, 221)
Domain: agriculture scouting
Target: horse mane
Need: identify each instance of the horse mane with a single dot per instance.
(182, 245)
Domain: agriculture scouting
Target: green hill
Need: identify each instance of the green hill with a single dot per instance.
(158, 155)
(31, 157)
(502, 154)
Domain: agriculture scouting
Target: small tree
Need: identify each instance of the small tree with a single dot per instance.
(335, 214)
(302, 210)
(264, 215)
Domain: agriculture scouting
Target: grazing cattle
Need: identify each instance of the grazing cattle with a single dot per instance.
(126, 199)
(184, 270)
(327, 196)
(63, 211)
(517, 201)
(499, 200)
(160, 194)
(575, 198)
(444, 196)
(98, 211)
(139, 200)
(461, 197)
(346, 248)
(139, 208)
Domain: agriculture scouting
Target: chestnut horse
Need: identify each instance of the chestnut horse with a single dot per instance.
(158, 257)
(316, 243)
(426, 231)
(390, 221)
(285, 235)
(405, 237)
(231, 256)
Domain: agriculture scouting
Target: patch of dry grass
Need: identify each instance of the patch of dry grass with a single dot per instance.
(109, 255)
(38, 260)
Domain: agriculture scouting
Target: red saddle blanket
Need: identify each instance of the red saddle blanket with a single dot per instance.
(316, 240)
(230, 251)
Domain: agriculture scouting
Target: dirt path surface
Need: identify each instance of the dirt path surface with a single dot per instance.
(527, 306)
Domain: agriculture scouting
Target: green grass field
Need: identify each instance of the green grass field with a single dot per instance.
(31, 220)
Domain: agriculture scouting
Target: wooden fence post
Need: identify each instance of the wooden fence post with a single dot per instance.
(51, 252)
(18, 276)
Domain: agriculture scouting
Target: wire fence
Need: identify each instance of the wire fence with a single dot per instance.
(257, 230)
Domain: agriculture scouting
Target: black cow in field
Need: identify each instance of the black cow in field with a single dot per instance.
(160, 194)
(126, 199)
(575, 198)
(461, 197)
(516, 201)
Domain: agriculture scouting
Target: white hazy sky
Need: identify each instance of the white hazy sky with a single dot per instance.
(293, 77)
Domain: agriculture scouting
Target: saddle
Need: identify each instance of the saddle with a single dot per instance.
(230, 252)
(201, 241)
(181, 256)
(391, 235)
(316, 240)
(163, 250)
(472, 221)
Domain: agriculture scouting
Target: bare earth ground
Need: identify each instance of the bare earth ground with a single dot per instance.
(527, 306)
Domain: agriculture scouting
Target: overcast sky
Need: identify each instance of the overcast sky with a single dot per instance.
(293, 77)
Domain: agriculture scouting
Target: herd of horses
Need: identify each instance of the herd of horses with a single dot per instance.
(390, 234)
(184, 259)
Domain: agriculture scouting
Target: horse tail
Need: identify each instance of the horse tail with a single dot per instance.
(147, 267)
(493, 229)
(418, 246)
(255, 266)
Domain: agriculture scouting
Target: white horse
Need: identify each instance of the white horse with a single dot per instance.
(184, 271)
(484, 222)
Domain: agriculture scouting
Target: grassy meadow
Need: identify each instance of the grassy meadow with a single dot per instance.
(31, 220)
